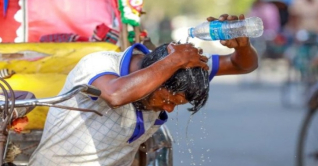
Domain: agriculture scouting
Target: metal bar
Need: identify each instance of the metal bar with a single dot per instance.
(125, 43)
(71, 108)
(51, 100)
(137, 34)
(3, 140)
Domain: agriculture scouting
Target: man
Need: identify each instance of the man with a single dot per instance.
(137, 91)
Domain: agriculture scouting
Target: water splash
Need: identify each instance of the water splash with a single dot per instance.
(187, 40)
(203, 159)
(192, 76)
(187, 128)
(205, 81)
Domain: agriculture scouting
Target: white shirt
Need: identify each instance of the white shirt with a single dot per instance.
(78, 138)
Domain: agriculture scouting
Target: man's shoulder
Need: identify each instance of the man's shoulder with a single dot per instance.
(107, 54)
(97, 62)
(101, 56)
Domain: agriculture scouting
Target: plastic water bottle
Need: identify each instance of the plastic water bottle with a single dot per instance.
(224, 30)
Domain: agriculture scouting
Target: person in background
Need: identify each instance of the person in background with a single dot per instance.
(307, 13)
(269, 13)
(304, 56)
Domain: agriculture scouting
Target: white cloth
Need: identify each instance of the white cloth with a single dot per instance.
(76, 138)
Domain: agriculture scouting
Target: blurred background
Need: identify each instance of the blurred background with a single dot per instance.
(249, 120)
(253, 119)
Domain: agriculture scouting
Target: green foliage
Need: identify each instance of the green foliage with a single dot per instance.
(199, 8)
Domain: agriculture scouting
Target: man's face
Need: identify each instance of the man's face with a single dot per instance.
(162, 99)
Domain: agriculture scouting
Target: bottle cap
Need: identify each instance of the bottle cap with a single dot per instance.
(190, 32)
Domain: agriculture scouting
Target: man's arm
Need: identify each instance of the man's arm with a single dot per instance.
(243, 60)
(117, 91)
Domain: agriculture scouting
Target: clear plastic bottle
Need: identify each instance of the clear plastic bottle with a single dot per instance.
(224, 30)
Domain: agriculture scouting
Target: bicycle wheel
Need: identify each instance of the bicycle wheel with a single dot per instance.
(307, 149)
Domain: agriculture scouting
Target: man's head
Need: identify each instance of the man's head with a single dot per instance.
(186, 85)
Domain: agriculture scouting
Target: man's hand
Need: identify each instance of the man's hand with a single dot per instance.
(232, 43)
(187, 55)
(244, 59)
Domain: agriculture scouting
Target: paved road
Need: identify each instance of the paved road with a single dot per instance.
(238, 126)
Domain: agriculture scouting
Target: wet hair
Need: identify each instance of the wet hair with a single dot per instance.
(194, 82)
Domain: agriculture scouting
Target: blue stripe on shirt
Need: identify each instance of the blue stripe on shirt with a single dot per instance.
(163, 117)
(125, 61)
(215, 66)
(139, 129)
(97, 76)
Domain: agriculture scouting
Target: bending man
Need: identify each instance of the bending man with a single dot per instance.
(138, 88)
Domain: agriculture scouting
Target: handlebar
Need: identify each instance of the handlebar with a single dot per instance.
(7, 107)
(57, 99)
(90, 90)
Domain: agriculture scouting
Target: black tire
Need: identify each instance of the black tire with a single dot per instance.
(304, 158)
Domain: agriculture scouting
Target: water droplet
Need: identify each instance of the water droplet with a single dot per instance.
(187, 40)
(187, 128)
(189, 150)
